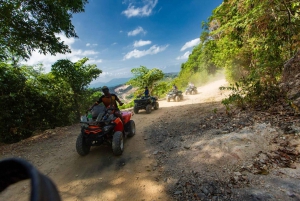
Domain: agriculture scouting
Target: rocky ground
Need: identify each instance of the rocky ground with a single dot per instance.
(188, 150)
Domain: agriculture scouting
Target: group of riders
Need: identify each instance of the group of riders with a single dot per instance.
(110, 100)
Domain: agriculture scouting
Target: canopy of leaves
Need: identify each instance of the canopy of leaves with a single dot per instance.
(26, 25)
(144, 77)
(77, 75)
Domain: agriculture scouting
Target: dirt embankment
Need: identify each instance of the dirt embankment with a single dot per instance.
(188, 150)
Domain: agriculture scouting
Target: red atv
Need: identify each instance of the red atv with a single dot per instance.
(105, 129)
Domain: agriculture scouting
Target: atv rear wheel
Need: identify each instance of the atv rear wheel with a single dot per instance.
(186, 93)
(148, 109)
(156, 106)
(168, 99)
(181, 97)
(177, 99)
(118, 143)
(193, 92)
(131, 128)
(135, 110)
(81, 147)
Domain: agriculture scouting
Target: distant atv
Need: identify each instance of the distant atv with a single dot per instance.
(145, 103)
(174, 95)
(104, 128)
(191, 90)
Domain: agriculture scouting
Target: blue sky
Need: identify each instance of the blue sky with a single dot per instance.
(119, 35)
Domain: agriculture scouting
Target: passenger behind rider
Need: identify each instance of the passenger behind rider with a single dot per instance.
(108, 100)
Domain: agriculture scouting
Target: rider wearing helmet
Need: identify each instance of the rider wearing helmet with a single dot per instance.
(111, 100)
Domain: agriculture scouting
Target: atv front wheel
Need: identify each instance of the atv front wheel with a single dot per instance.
(81, 147)
(156, 106)
(148, 109)
(177, 99)
(135, 110)
(131, 128)
(118, 143)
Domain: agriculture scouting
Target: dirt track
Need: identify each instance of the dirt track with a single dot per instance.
(188, 150)
(100, 175)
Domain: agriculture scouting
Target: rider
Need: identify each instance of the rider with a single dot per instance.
(175, 88)
(191, 84)
(109, 99)
(146, 92)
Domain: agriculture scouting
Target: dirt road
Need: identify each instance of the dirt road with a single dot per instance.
(188, 150)
(99, 175)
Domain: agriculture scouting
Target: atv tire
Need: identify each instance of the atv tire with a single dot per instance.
(181, 97)
(177, 98)
(193, 92)
(81, 147)
(168, 99)
(135, 110)
(131, 128)
(156, 106)
(118, 143)
(148, 109)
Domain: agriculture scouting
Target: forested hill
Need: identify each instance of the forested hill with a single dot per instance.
(251, 40)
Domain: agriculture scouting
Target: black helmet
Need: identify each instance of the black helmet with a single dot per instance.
(105, 89)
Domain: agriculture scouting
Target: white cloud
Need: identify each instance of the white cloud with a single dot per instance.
(136, 31)
(146, 10)
(94, 61)
(140, 53)
(141, 43)
(67, 41)
(48, 60)
(184, 56)
(189, 44)
(91, 45)
(114, 44)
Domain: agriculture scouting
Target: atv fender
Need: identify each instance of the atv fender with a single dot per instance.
(119, 125)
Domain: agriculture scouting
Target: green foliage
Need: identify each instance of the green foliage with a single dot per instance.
(32, 25)
(253, 94)
(32, 100)
(77, 75)
(161, 88)
(251, 39)
(127, 105)
(145, 77)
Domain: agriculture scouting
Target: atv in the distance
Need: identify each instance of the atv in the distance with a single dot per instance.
(191, 90)
(105, 129)
(145, 103)
(174, 95)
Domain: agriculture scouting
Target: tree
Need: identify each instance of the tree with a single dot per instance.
(145, 77)
(26, 25)
(77, 75)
